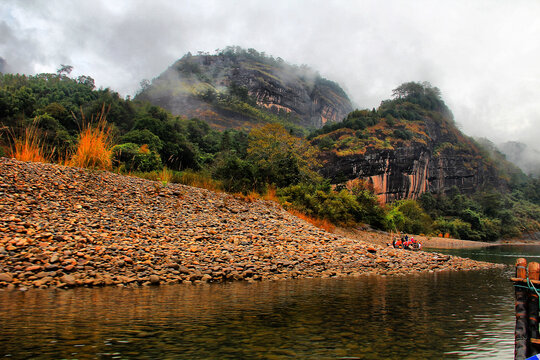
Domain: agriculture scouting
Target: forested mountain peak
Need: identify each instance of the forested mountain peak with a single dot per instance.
(410, 145)
(236, 88)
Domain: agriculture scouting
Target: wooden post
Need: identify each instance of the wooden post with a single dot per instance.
(532, 309)
(521, 334)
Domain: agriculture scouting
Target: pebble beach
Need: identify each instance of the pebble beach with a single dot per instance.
(63, 227)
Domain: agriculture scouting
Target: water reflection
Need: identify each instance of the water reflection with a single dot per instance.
(448, 315)
(505, 254)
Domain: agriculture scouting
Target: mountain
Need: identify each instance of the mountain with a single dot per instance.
(523, 156)
(407, 147)
(241, 88)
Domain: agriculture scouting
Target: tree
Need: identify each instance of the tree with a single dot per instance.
(87, 81)
(408, 90)
(423, 94)
(281, 158)
(144, 85)
(142, 137)
(64, 70)
(237, 175)
(408, 216)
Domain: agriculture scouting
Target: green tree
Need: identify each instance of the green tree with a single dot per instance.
(281, 159)
(141, 137)
(408, 216)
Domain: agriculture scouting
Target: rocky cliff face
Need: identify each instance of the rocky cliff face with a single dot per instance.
(410, 171)
(230, 88)
(433, 157)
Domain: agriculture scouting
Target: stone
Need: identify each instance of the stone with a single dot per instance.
(68, 280)
(44, 281)
(154, 279)
(6, 277)
(51, 267)
(69, 268)
(34, 268)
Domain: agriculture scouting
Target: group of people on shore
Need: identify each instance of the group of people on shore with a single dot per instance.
(406, 242)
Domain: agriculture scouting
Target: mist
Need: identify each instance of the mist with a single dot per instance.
(3, 65)
(523, 156)
(482, 54)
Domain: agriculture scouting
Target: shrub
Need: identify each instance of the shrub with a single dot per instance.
(457, 228)
(409, 217)
(402, 134)
(124, 154)
(320, 223)
(134, 158)
(199, 179)
(339, 207)
(147, 161)
(326, 143)
(237, 175)
(142, 137)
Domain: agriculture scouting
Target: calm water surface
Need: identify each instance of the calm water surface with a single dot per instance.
(453, 315)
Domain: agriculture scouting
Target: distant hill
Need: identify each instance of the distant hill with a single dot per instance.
(241, 88)
(523, 156)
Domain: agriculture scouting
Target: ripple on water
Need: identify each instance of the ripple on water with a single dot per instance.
(454, 315)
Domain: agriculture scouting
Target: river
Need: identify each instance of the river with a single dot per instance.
(451, 315)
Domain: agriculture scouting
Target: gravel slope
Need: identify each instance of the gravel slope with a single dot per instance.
(64, 227)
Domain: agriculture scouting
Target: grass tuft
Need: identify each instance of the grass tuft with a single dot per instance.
(271, 195)
(28, 147)
(165, 175)
(249, 198)
(94, 149)
(201, 180)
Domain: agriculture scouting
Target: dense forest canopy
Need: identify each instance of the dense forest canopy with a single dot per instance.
(147, 138)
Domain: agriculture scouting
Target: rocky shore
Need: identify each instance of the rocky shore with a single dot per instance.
(64, 227)
(428, 242)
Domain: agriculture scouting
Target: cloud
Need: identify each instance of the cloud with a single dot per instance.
(482, 54)
(3, 65)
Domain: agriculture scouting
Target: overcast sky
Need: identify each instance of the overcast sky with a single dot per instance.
(483, 55)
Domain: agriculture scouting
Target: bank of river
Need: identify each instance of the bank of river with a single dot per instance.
(64, 227)
(449, 315)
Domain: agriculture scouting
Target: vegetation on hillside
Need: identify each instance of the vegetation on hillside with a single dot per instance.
(223, 85)
(48, 110)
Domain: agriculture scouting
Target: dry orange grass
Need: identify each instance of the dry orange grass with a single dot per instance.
(165, 175)
(249, 198)
(271, 195)
(192, 178)
(94, 149)
(320, 223)
(28, 147)
(253, 196)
